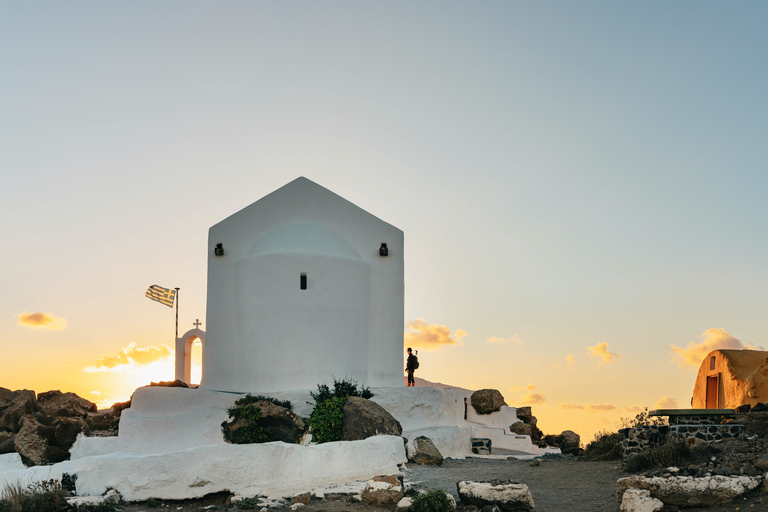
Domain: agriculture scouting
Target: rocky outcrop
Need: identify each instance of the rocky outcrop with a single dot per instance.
(684, 491)
(364, 418)
(636, 500)
(487, 401)
(423, 451)
(56, 403)
(29, 443)
(508, 496)
(384, 491)
(568, 442)
(527, 426)
(21, 402)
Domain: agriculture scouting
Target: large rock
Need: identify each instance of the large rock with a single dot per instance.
(29, 443)
(508, 496)
(66, 431)
(56, 403)
(280, 423)
(521, 429)
(22, 402)
(6, 396)
(384, 491)
(7, 444)
(486, 401)
(364, 418)
(107, 422)
(423, 451)
(686, 491)
(636, 500)
(525, 415)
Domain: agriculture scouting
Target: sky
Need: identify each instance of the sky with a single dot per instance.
(582, 186)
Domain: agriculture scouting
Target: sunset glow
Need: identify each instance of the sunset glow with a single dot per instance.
(582, 185)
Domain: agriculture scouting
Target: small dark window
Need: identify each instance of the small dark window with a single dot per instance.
(303, 281)
(712, 363)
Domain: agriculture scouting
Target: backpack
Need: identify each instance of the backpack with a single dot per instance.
(416, 363)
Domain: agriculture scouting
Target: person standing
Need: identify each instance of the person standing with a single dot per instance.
(410, 367)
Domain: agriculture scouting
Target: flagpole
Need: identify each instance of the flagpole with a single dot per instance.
(177, 313)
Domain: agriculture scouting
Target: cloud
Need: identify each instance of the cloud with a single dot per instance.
(711, 339)
(41, 321)
(569, 360)
(588, 407)
(600, 351)
(419, 334)
(130, 358)
(530, 387)
(97, 393)
(633, 408)
(667, 403)
(512, 339)
(533, 399)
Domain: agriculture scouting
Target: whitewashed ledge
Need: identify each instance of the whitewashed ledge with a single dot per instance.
(270, 469)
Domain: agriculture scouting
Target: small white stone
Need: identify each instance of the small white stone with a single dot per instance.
(404, 504)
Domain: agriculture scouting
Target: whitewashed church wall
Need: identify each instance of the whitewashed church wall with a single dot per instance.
(246, 331)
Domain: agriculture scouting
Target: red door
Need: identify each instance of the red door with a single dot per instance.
(712, 392)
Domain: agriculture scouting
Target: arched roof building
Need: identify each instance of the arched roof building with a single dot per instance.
(730, 378)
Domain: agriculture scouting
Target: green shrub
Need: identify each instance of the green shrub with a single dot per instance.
(605, 446)
(152, 503)
(326, 418)
(431, 501)
(341, 389)
(252, 432)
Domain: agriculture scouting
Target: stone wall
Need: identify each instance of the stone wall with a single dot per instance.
(641, 438)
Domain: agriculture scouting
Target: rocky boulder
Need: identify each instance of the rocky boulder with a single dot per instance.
(507, 496)
(487, 401)
(364, 418)
(29, 443)
(7, 444)
(521, 429)
(169, 384)
(56, 403)
(690, 492)
(384, 491)
(20, 402)
(568, 442)
(104, 423)
(423, 451)
(6, 397)
(636, 500)
(66, 430)
(280, 423)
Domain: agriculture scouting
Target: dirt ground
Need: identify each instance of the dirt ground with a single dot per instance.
(557, 485)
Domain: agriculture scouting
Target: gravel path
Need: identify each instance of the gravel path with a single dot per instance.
(556, 485)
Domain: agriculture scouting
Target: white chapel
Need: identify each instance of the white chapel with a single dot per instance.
(303, 287)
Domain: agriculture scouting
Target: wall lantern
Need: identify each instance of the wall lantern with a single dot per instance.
(383, 251)
(218, 250)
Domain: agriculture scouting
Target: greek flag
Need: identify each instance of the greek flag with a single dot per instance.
(161, 295)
